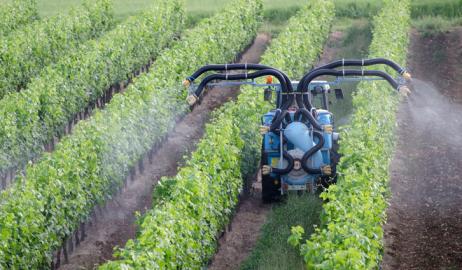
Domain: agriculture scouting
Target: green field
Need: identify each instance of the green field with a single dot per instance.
(448, 8)
(125, 8)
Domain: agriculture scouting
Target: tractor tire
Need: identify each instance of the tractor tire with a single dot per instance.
(270, 189)
(270, 186)
(326, 181)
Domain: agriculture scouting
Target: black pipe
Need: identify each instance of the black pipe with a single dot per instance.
(309, 117)
(306, 80)
(363, 63)
(306, 99)
(234, 77)
(285, 101)
(290, 165)
(225, 67)
(285, 87)
(325, 100)
(277, 120)
(311, 152)
(221, 67)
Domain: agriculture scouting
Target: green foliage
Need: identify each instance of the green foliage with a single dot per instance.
(59, 192)
(433, 25)
(351, 235)
(357, 8)
(32, 117)
(419, 8)
(190, 209)
(313, 20)
(24, 53)
(442, 8)
(17, 14)
(296, 235)
(180, 232)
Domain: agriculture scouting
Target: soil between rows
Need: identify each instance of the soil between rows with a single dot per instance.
(117, 224)
(424, 226)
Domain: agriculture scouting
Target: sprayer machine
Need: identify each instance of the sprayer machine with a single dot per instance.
(300, 142)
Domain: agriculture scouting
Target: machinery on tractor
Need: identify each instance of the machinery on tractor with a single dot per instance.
(300, 142)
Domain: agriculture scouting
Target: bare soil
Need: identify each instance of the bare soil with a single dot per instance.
(331, 50)
(242, 234)
(424, 226)
(117, 223)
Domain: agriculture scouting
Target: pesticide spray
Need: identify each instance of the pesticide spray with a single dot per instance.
(433, 113)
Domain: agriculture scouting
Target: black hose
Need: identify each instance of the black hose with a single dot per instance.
(234, 77)
(306, 99)
(277, 120)
(311, 152)
(290, 165)
(225, 67)
(306, 80)
(325, 100)
(307, 117)
(285, 101)
(364, 62)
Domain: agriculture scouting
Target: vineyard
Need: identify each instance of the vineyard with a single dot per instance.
(111, 157)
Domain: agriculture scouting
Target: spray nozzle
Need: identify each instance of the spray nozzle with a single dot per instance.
(191, 99)
(404, 90)
(186, 83)
(266, 169)
(407, 76)
(326, 170)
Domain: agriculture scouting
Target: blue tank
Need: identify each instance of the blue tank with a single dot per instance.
(299, 140)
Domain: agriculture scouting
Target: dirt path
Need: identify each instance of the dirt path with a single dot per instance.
(116, 225)
(241, 236)
(424, 228)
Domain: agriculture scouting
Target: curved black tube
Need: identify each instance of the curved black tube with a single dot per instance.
(363, 63)
(234, 77)
(277, 120)
(222, 67)
(311, 152)
(287, 101)
(306, 80)
(290, 165)
(306, 100)
(308, 117)
(299, 100)
(325, 101)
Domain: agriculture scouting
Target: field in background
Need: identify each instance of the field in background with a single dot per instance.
(430, 16)
(124, 8)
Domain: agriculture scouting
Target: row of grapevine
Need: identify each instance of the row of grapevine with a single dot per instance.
(189, 210)
(24, 53)
(351, 235)
(60, 191)
(17, 14)
(34, 116)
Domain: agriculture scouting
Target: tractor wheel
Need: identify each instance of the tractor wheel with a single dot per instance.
(270, 189)
(270, 186)
(326, 181)
(334, 159)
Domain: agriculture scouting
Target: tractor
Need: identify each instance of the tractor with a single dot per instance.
(299, 141)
